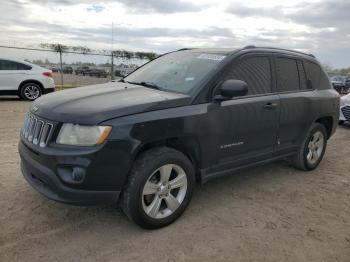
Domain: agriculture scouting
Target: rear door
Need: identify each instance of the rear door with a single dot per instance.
(296, 96)
(12, 74)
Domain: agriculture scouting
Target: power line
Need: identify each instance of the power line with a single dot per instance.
(63, 51)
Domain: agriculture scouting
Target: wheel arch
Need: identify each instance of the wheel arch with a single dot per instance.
(27, 81)
(327, 122)
(186, 145)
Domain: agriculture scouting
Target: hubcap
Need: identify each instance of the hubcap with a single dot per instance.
(315, 146)
(31, 92)
(164, 191)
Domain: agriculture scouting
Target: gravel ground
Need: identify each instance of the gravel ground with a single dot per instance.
(269, 213)
(79, 80)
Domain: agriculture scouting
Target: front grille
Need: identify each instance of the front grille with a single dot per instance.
(36, 131)
(346, 112)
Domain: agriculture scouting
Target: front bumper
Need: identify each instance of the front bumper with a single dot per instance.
(44, 179)
(344, 113)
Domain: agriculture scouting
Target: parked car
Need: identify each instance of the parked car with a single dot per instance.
(344, 109)
(188, 116)
(339, 84)
(84, 70)
(24, 79)
(98, 73)
(55, 69)
(126, 71)
(67, 70)
(123, 72)
(347, 84)
(118, 73)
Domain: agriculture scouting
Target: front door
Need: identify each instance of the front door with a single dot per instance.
(244, 129)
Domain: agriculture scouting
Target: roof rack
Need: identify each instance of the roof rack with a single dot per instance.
(275, 48)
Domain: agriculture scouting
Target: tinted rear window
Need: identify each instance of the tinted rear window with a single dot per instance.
(318, 77)
(313, 72)
(287, 74)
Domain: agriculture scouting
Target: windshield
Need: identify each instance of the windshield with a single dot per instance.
(178, 71)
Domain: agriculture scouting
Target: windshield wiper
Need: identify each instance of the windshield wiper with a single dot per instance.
(146, 84)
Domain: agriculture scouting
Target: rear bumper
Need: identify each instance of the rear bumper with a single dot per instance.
(45, 181)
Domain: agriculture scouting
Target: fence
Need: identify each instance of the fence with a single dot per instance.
(67, 62)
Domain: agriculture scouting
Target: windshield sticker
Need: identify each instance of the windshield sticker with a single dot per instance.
(211, 57)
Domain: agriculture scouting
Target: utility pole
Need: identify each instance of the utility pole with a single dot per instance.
(112, 57)
(61, 68)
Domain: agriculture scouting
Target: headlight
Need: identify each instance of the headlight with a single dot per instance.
(72, 134)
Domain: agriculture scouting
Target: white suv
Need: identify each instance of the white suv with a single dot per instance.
(344, 109)
(24, 79)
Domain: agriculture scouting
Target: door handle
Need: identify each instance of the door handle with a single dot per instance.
(270, 106)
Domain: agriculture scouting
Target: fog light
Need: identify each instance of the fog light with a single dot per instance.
(72, 175)
(78, 174)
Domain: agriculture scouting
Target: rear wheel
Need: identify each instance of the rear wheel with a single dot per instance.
(159, 189)
(313, 148)
(30, 91)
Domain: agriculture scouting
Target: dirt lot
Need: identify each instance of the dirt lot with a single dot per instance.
(270, 213)
(72, 80)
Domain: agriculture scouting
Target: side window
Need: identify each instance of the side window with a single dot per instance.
(287, 74)
(23, 67)
(255, 71)
(313, 72)
(11, 65)
(302, 76)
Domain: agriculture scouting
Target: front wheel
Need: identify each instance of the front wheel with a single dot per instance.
(159, 188)
(313, 148)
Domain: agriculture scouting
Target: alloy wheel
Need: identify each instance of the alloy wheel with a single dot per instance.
(164, 191)
(315, 147)
(31, 92)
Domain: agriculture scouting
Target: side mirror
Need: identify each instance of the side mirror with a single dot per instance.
(231, 88)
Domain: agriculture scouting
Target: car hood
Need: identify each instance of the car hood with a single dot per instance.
(97, 103)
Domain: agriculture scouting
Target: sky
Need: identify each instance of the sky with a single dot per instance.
(321, 27)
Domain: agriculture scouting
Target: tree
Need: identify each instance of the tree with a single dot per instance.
(55, 47)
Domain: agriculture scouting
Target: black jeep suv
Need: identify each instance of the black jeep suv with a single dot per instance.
(185, 117)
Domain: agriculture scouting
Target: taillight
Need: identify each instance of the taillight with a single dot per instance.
(48, 74)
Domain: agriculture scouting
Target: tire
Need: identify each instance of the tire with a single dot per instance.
(30, 91)
(341, 122)
(312, 149)
(148, 205)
